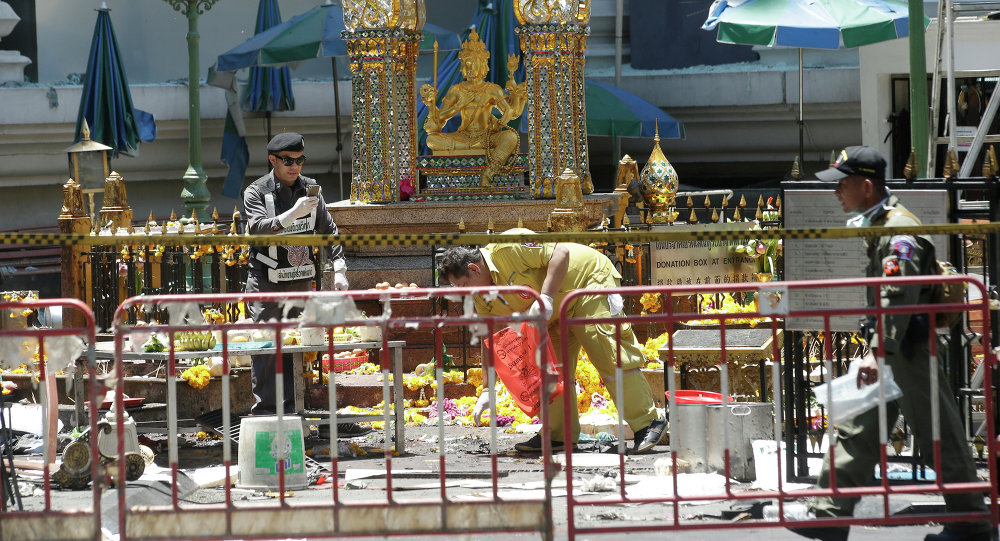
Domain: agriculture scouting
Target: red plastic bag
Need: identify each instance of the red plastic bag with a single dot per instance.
(517, 369)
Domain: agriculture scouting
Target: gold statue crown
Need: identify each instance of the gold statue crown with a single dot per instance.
(473, 48)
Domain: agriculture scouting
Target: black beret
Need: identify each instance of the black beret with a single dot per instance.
(286, 141)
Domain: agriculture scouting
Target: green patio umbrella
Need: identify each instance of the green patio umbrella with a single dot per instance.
(814, 24)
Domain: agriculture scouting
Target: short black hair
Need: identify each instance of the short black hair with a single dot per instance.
(454, 262)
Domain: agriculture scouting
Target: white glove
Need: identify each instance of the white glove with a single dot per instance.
(301, 208)
(544, 308)
(340, 281)
(481, 405)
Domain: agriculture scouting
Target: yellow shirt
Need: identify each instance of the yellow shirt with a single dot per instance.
(526, 264)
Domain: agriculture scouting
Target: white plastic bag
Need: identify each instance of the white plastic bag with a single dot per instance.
(848, 400)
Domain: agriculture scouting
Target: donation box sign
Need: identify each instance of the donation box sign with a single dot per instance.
(700, 262)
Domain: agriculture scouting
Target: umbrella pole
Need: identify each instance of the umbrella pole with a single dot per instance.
(802, 158)
(267, 124)
(336, 113)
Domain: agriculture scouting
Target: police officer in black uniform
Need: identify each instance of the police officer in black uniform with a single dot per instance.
(279, 203)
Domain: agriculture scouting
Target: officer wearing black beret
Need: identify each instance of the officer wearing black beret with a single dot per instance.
(284, 202)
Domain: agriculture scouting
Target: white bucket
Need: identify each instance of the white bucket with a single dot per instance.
(260, 450)
(745, 421)
(687, 435)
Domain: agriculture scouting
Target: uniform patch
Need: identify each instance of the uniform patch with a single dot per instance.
(903, 246)
(891, 267)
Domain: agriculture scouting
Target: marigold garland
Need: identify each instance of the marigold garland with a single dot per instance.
(197, 376)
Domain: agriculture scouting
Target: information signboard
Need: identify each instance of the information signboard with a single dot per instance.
(809, 259)
(700, 262)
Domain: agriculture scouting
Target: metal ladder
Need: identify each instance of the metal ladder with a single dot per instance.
(945, 37)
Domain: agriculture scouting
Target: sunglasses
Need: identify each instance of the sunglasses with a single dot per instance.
(288, 161)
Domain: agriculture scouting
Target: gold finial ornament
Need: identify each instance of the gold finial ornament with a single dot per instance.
(569, 213)
(715, 215)
(737, 217)
(376, 14)
(911, 169)
(489, 225)
(743, 201)
(796, 169)
(693, 218)
(173, 215)
(725, 200)
(461, 224)
(658, 183)
(194, 215)
(520, 223)
(951, 164)
(236, 213)
(760, 200)
(215, 214)
(993, 158)
(708, 202)
(556, 12)
(760, 213)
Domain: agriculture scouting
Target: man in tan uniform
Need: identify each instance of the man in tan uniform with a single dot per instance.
(554, 270)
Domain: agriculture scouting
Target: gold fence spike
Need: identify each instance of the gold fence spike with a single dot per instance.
(215, 214)
(737, 217)
(743, 201)
(715, 215)
(708, 202)
(690, 202)
(725, 201)
(911, 170)
(693, 218)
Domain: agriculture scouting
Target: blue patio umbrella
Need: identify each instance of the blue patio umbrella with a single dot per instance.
(268, 88)
(106, 102)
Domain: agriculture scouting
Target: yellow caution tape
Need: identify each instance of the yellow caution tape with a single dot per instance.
(445, 239)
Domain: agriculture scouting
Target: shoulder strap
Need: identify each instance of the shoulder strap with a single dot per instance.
(899, 211)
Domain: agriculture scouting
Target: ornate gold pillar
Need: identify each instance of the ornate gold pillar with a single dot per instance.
(553, 37)
(383, 39)
(73, 218)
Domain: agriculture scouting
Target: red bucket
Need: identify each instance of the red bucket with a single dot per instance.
(694, 396)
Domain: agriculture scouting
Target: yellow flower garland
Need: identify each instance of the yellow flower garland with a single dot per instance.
(197, 376)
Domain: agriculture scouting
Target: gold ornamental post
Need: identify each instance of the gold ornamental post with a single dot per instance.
(553, 38)
(383, 39)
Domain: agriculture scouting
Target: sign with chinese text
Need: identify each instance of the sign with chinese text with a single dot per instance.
(701, 262)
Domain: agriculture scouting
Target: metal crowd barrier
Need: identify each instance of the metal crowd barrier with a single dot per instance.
(773, 298)
(344, 513)
(57, 350)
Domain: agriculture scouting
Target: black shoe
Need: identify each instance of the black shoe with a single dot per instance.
(823, 534)
(949, 534)
(345, 430)
(648, 437)
(534, 445)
